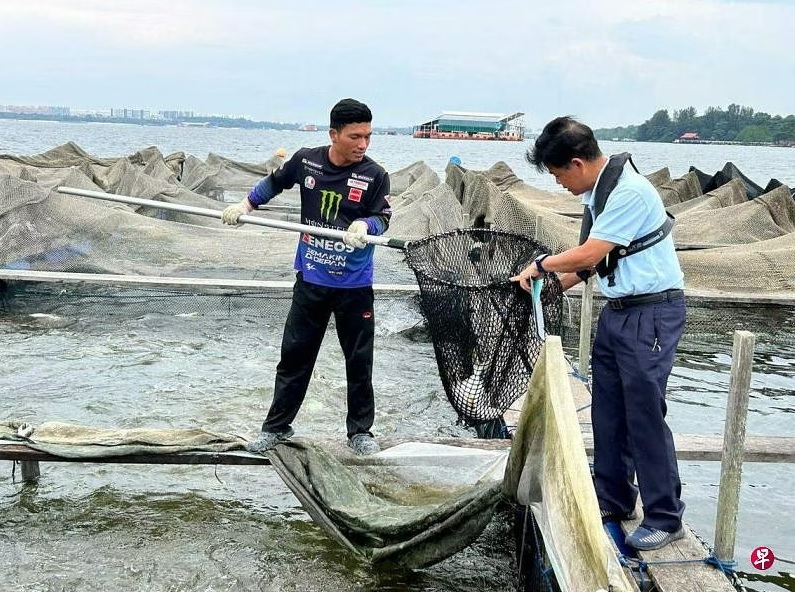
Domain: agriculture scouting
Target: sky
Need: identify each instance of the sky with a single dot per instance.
(607, 62)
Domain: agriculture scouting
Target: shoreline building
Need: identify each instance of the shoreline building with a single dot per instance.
(463, 125)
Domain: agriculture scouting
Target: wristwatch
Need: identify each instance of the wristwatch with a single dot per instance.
(538, 261)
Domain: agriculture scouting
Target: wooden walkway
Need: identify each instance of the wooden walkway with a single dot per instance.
(679, 566)
(689, 447)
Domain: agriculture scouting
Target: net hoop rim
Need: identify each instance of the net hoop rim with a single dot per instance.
(459, 231)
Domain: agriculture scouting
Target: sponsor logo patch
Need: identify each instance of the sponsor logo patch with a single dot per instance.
(355, 194)
(309, 163)
(330, 204)
(309, 182)
(358, 184)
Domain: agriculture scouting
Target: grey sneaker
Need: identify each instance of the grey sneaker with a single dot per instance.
(267, 440)
(363, 444)
(644, 538)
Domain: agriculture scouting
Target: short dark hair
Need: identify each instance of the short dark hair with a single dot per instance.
(562, 139)
(349, 111)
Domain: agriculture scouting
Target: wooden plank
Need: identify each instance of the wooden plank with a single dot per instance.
(688, 447)
(767, 449)
(17, 451)
(694, 576)
(707, 296)
(21, 452)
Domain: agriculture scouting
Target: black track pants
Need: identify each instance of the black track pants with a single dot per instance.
(311, 309)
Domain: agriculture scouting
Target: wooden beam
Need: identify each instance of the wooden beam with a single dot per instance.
(23, 453)
(771, 449)
(768, 449)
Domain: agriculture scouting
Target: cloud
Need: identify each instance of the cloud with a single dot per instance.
(611, 62)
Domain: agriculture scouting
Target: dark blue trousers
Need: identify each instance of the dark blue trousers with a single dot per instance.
(633, 355)
(310, 312)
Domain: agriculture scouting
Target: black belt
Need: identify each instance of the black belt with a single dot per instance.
(638, 299)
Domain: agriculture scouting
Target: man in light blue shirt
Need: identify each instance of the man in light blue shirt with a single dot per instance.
(627, 247)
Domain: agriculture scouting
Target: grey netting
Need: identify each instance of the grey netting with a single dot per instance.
(413, 504)
(683, 189)
(43, 230)
(217, 174)
(418, 177)
(47, 231)
(417, 215)
(727, 283)
(768, 216)
(728, 173)
(728, 194)
(760, 260)
(482, 325)
(659, 176)
(69, 440)
(557, 202)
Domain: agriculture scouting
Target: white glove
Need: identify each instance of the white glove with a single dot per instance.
(231, 214)
(355, 234)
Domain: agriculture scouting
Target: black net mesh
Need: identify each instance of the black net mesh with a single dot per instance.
(484, 331)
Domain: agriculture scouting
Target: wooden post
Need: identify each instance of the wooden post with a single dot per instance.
(586, 320)
(30, 470)
(733, 445)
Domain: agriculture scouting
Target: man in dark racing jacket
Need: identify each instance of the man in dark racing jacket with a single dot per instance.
(342, 189)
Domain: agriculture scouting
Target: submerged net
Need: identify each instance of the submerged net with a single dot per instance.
(484, 333)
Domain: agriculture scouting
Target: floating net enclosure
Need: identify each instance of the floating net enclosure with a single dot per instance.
(482, 325)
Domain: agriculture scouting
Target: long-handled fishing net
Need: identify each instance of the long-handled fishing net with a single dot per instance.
(484, 331)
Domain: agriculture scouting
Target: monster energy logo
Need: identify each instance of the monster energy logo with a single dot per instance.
(329, 204)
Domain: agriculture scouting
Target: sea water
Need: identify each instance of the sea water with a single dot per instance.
(130, 527)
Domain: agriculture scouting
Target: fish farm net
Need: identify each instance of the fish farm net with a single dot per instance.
(482, 325)
(82, 267)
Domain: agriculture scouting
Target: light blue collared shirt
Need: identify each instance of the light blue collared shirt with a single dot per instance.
(633, 210)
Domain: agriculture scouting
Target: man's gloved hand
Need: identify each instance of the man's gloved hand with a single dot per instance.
(231, 214)
(355, 234)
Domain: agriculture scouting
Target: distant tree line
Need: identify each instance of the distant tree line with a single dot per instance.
(735, 124)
